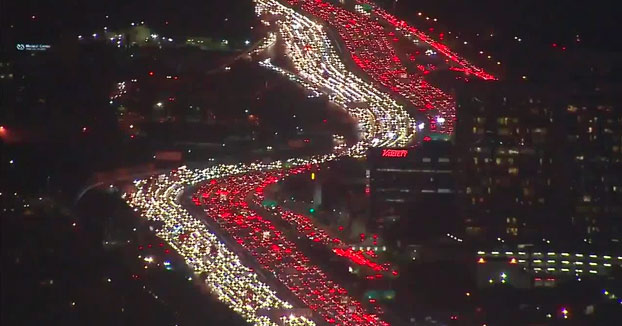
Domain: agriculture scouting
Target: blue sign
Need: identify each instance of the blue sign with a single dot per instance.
(32, 47)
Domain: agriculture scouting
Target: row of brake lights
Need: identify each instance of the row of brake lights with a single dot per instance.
(554, 45)
(166, 251)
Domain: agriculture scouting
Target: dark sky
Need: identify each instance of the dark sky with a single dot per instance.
(598, 21)
(53, 18)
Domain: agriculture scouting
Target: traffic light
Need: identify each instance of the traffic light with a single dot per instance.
(312, 175)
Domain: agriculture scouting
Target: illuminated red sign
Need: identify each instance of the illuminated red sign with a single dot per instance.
(394, 152)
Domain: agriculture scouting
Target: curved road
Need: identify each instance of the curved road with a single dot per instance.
(296, 291)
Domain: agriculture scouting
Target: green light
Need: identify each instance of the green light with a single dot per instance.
(311, 210)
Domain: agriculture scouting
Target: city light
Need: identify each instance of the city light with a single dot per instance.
(565, 313)
(375, 55)
(394, 153)
(259, 106)
(383, 129)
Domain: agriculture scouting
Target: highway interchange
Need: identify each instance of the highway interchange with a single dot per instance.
(250, 264)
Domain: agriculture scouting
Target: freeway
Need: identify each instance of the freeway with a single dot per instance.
(229, 280)
(219, 241)
(224, 200)
(463, 65)
(307, 227)
(371, 48)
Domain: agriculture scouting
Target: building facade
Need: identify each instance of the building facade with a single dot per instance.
(412, 191)
(539, 162)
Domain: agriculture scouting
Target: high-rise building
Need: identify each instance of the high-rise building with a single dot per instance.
(594, 163)
(539, 162)
(412, 191)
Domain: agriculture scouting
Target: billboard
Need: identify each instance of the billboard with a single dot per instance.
(32, 47)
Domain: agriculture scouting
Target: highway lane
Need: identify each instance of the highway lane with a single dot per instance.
(158, 196)
(225, 190)
(305, 226)
(188, 201)
(230, 281)
(371, 48)
(231, 211)
(225, 202)
(403, 27)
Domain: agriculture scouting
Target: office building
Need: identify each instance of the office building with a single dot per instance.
(412, 191)
(539, 162)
